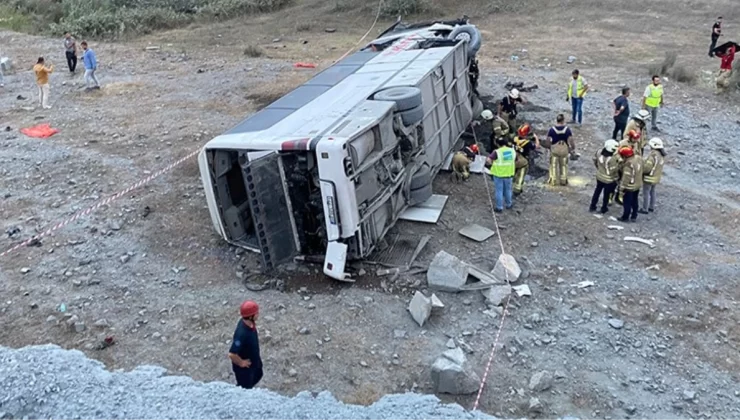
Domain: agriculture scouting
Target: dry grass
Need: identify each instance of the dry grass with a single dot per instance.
(364, 395)
(266, 93)
(303, 27)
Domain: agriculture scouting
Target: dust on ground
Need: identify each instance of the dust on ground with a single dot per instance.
(149, 269)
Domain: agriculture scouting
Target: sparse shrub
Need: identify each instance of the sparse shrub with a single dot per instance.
(12, 19)
(303, 27)
(118, 18)
(663, 67)
(394, 8)
(682, 74)
(253, 51)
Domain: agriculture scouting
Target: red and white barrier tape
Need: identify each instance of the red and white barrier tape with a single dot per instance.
(506, 305)
(102, 203)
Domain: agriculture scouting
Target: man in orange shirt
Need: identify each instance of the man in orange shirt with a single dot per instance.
(42, 80)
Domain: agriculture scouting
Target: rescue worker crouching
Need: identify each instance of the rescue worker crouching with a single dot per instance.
(499, 127)
(560, 139)
(638, 123)
(607, 174)
(652, 173)
(630, 183)
(502, 164)
(461, 161)
(524, 143)
(245, 350)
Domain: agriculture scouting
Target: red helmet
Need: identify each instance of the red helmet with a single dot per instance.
(626, 152)
(634, 134)
(524, 130)
(474, 148)
(249, 308)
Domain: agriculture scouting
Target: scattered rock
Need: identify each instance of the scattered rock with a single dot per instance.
(571, 59)
(367, 299)
(304, 331)
(25, 270)
(541, 381)
(102, 323)
(436, 303)
(399, 334)
(420, 308)
(552, 233)
(330, 30)
(535, 406)
(496, 295)
(125, 258)
(689, 395)
(615, 323)
(452, 374)
(446, 273)
(292, 373)
(451, 343)
(51, 319)
(506, 268)
(79, 327)
(522, 290)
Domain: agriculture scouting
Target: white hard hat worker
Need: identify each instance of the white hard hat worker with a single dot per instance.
(514, 94)
(486, 115)
(642, 115)
(655, 143)
(611, 146)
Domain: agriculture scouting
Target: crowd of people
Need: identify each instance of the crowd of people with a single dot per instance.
(622, 166)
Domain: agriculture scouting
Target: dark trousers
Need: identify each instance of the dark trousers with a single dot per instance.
(608, 190)
(247, 377)
(618, 130)
(71, 60)
(713, 45)
(630, 201)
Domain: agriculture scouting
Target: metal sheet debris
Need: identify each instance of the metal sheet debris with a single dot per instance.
(476, 232)
(426, 212)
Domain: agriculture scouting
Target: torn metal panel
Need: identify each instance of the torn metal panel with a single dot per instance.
(426, 212)
(476, 232)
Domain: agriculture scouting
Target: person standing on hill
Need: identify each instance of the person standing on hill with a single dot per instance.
(621, 106)
(70, 51)
(42, 81)
(652, 100)
(716, 33)
(91, 64)
(244, 353)
(577, 89)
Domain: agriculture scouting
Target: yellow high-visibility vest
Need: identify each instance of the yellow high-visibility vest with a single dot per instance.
(656, 95)
(579, 88)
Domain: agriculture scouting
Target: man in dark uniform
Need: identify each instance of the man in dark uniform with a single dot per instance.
(508, 111)
(245, 349)
(716, 33)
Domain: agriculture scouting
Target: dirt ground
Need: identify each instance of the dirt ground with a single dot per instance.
(149, 269)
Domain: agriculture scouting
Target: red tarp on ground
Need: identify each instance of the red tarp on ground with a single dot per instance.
(39, 131)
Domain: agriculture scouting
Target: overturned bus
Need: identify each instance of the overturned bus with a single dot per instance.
(328, 168)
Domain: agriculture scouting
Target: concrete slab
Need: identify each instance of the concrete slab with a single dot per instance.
(420, 308)
(507, 269)
(446, 273)
(476, 232)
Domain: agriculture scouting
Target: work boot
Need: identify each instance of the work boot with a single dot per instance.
(651, 210)
(498, 210)
(643, 211)
(592, 209)
(604, 210)
(623, 219)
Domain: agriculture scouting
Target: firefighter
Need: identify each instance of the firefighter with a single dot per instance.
(639, 124)
(461, 161)
(652, 172)
(525, 142)
(632, 141)
(499, 127)
(245, 349)
(560, 138)
(630, 183)
(607, 174)
(507, 108)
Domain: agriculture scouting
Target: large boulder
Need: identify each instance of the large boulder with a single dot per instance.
(447, 273)
(452, 374)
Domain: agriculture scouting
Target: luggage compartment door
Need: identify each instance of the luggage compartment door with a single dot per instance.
(271, 210)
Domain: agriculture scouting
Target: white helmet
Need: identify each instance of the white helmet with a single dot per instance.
(642, 115)
(655, 143)
(486, 114)
(611, 146)
(514, 93)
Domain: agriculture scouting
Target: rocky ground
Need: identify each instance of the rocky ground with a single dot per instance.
(655, 336)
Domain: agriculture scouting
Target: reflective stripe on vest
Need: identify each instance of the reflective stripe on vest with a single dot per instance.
(579, 87)
(505, 164)
(656, 94)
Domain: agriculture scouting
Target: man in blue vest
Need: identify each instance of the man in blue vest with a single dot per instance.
(502, 163)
